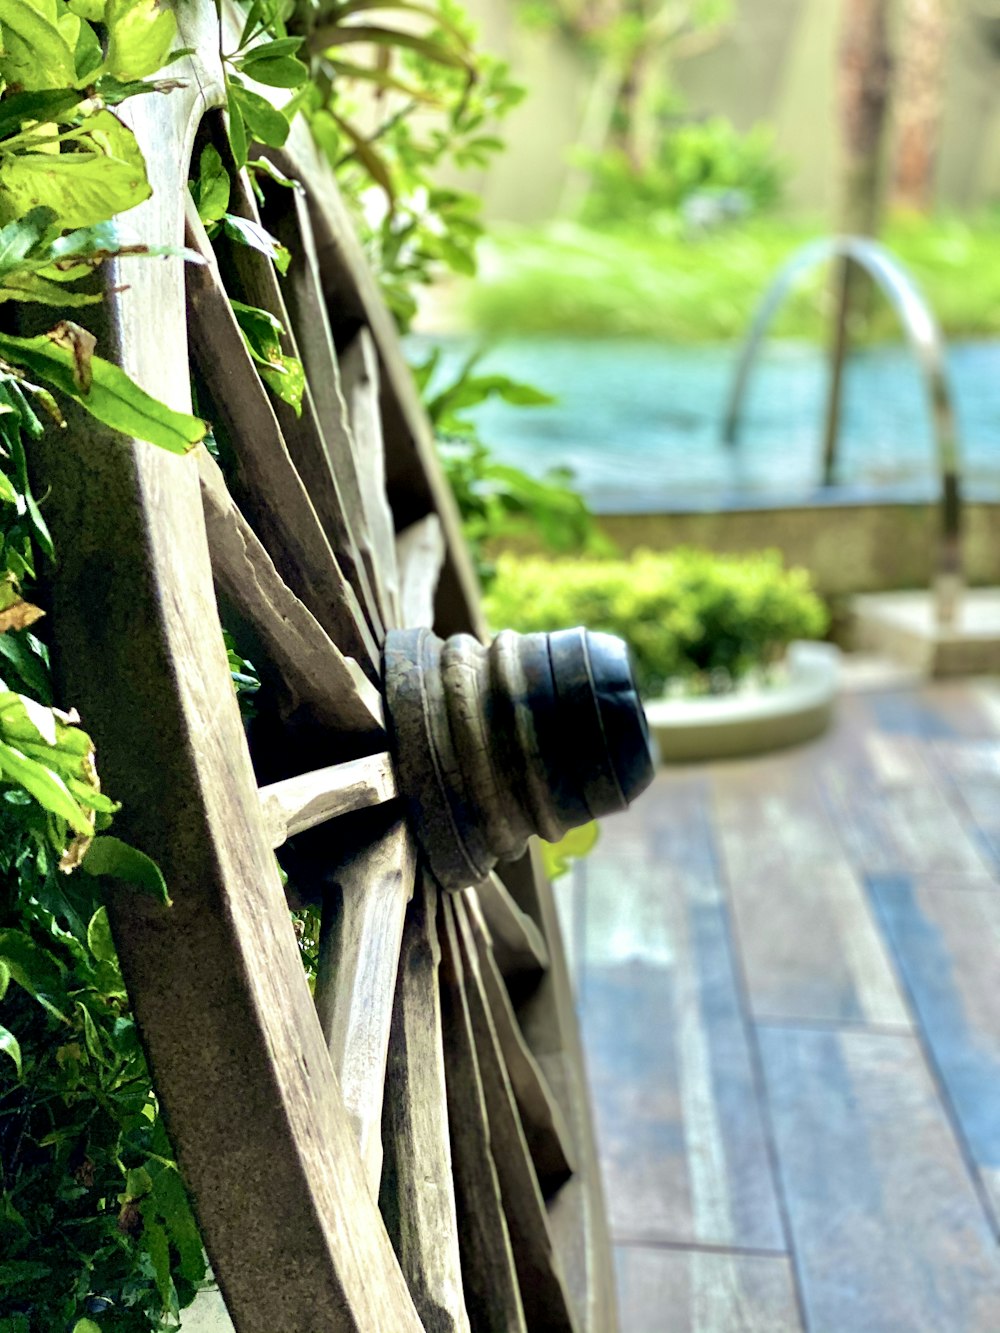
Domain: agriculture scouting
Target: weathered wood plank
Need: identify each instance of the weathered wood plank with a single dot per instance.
(947, 940)
(216, 982)
(681, 1131)
(518, 945)
(296, 653)
(265, 483)
(302, 290)
(295, 804)
(542, 1119)
(416, 482)
(360, 378)
(492, 1291)
(547, 1016)
(809, 944)
(543, 1292)
(420, 554)
(304, 432)
(363, 917)
(417, 1196)
(705, 1291)
(888, 1230)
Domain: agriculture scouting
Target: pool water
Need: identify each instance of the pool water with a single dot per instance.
(640, 423)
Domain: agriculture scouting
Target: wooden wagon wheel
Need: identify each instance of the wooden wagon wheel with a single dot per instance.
(412, 1150)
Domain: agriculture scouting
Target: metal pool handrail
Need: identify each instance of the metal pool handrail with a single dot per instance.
(928, 349)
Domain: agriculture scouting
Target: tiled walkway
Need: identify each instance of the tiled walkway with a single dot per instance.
(789, 981)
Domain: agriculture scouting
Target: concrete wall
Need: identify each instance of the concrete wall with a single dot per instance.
(776, 64)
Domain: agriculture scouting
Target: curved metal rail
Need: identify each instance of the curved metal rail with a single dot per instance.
(927, 346)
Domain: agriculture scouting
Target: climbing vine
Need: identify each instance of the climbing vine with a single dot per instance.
(95, 1228)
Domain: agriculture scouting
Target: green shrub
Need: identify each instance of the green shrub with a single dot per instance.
(688, 614)
(707, 158)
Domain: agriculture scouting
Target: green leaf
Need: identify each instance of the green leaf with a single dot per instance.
(88, 54)
(237, 129)
(99, 939)
(327, 37)
(246, 232)
(280, 47)
(28, 964)
(36, 54)
(4, 978)
(86, 1326)
(46, 787)
(140, 35)
(284, 73)
(19, 238)
(91, 10)
(9, 1045)
(104, 175)
(91, 1036)
(157, 1245)
(212, 188)
(264, 121)
(45, 105)
(113, 398)
(21, 1270)
(578, 842)
(110, 856)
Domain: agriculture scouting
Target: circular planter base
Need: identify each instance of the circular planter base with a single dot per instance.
(727, 726)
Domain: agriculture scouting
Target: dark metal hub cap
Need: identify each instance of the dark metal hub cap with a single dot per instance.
(538, 733)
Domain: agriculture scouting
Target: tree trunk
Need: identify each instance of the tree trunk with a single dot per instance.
(865, 75)
(919, 102)
(630, 131)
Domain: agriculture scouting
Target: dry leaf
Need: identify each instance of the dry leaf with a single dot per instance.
(81, 343)
(19, 615)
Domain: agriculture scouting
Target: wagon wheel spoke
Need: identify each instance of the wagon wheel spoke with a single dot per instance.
(518, 944)
(420, 552)
(418, 1195)
(543, 1290)
(296, 804)
(265, 482)
(545, 1127)
(492, 1288)
(288, 643)
(359, 371)
(304, 431)
(362, 926)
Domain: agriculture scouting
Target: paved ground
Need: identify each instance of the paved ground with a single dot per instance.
(789, 979)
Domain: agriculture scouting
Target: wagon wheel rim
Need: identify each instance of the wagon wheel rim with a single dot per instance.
(417, 989)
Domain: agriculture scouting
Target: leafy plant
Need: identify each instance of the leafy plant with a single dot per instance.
(495, 499)
(689, 614)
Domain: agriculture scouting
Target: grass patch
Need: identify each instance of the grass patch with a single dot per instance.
(569, 279)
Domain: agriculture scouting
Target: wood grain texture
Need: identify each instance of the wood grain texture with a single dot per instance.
(417, 1195)
(543, 1291)
(363, 915)
(295, 804)
(492, 1290)
(705, 1291)
(947, 940)
(545, 1128)
(809, 944)
(416, 483)
(287, 643)
(264, 481)
(217, 985)
(253, 274)
(681, 1132)
(287, 217)
(420, 555)
(888, 1230)
(359, 371)
(518, 945)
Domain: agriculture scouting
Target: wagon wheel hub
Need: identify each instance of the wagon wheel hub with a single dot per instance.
(538, 733)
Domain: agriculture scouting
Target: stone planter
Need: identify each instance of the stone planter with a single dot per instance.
(751, 721)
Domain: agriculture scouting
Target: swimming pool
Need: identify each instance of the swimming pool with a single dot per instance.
(640, 423)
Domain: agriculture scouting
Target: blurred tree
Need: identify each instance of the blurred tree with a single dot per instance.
(864, 79)
(632, 45)
(919, 101)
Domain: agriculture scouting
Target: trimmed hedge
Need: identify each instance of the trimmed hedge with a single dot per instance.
(688, 614)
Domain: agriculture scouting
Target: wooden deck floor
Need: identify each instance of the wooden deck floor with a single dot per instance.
(789, 981)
